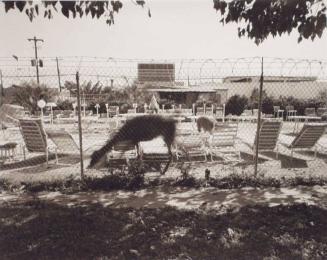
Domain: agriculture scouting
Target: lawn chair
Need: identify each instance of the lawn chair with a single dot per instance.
(209, 110)
(200, 111)
(113, 111)
(310, 111)
(64, 142)
(35, 138)
(66, 145)
(268, 137)
(185, 129)
(321, 111)
(113, 125)
(191, 147)
(154, 154)
(308, 137)
(290, 111)
(222, 141)
(278, 112)
(122, 155)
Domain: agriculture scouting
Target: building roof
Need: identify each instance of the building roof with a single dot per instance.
(201, 89)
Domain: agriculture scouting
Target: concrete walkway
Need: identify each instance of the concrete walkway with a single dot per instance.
(191, 199)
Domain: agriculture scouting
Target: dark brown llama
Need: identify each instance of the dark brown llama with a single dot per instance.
(138, 129)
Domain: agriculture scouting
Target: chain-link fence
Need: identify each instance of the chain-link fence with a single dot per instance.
(220, 109)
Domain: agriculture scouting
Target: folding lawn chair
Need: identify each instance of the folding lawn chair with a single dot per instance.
(222, 141)
(153, 153)
(191, 147)
(268, 137)
(35, 138)
(122, 155)
(308, 137)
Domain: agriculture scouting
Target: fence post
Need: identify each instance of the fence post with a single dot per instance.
(2, 93)
(258, 122)
(80, 125)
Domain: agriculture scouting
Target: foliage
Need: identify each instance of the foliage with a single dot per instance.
(64, 105)
(267, 105)
(254, 98)
(236, 105)
(29, 93)
(70, 9)
(322, 96)
(299, 104)
(258, 19)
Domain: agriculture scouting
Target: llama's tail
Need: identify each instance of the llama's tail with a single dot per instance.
(101, 153)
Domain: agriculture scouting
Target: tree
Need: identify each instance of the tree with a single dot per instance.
(70, 9)
(254, 98)
(257, 18)
(236, 105)
(261, 18)
(28, 94)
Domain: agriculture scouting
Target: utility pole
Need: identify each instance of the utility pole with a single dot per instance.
(36, 59)
(58, 71)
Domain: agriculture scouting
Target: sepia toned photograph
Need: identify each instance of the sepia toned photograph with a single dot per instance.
(163, 129)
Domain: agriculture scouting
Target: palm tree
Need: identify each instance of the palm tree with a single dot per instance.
(29, 93)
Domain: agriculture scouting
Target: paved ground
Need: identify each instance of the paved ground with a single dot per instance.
(205, 198)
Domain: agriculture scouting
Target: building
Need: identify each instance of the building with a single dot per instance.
(188, 95)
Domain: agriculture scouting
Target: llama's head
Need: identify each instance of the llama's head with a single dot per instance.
(98, 160)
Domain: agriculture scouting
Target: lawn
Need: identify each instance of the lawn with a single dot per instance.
(43, 230)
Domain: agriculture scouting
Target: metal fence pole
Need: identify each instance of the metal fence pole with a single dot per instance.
(79, 125)
(258, 122)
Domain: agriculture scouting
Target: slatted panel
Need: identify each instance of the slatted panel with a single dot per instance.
(224, 135)
(185, 129)
(156, 157)
(321, 111)
(192, 142)
(308, 136)
(268, 135)
(33, 135)
(131, 111)
(199, 111)
(247, 112)
(63, 141)
(123, 149)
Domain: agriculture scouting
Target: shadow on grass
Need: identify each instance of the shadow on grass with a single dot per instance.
(287, 161)
(322, 156)
(39, 230)
(40, 160)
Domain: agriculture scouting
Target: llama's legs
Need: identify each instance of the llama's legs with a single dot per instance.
(169, 161)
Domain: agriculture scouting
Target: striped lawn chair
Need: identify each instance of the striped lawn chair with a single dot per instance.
(155, 154)
(222, 141)
(191, 148)
(35, 138)
(268, 137)
(308, 137)
(121, 156)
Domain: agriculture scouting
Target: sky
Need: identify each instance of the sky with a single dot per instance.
(178, 29)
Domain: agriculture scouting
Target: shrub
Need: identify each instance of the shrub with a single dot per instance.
(236, 105)
(268, 105)
(64, 105)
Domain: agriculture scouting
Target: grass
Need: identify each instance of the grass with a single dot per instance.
(39, 230)
(139, 181)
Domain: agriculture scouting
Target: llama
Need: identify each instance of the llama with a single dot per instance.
(141, 128)
(205, 124)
